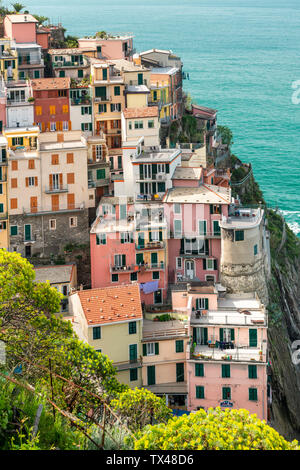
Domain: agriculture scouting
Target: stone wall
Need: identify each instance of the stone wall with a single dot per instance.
(44, 241)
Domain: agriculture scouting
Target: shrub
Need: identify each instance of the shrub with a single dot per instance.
(214, 430)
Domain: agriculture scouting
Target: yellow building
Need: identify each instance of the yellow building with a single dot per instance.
(4, 228)
(110, 320)
(8, 60)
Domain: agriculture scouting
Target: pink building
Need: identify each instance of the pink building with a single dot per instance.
(125, 249)
(227, 357)
(21, 28)
(193, 215)
(114, 46)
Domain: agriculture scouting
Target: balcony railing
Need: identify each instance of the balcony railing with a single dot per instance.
(29, 239)
(66, 63)
(102, 99)
(56, 189)
(136, 267)
(151, 245)
(98, 183)
(84, 100)
(31, 211)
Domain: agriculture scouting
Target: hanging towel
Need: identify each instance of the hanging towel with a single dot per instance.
(150, 287)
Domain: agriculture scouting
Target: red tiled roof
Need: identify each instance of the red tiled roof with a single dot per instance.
(51, 83)
(111, 304)
(150, 111)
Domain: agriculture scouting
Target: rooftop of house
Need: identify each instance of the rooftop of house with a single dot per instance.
(164, 70)
(164, 329)
(16, 131)
(51, 83)
(242, 218)
(137, 89)
(187, 173)
(204, 194)
(207, 113)
(27, 45)
(127, 66)
(150, 111)
(111, 304)
(22, 18)
(110, 37)
(163, 155)
(54, 274)
(160, 51)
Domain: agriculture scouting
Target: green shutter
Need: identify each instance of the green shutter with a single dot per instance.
(194, 335)
(156, 349)
(133, 352)
(252, 372)
(252, 338)
(199, 370)
(232, 334)
(144, 349)
(226, 393)
(221, 334)
(199, 391)
(225, 370)
(206, 304)
(253, 394)
(151, 375)
(179, 345)
(180, 372)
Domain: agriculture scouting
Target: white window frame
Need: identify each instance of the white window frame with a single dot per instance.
(150, 349)
(31, 181)
(75, 220)
(179, 263)
(208, 260)
(50, 221)
(52, 126)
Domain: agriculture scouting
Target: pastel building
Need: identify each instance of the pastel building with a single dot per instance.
(164, 360)
(194, 214)
(110, 320)
(19, 104)
(21, 28)
(52, 104)
(62, 277)
(8, 60)
(81, 108)
(48, 190)
(4, 225)
(110, 46)
(137, 121)
(227, 356)
(129, 244)
(71, 63)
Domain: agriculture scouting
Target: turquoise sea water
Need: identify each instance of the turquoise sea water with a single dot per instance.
(242, 57)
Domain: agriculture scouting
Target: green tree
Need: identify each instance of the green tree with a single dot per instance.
(41, 19)
(226, 135)
(71, 41)
(17, 7)
(140, 407)
(214, 430)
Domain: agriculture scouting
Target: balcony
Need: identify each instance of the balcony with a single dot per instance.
(221, 318)
(124, 269)
(12, 102)
(115, 131)
(61, 208)
(56, 189)
(4, 162)
(28, 240)
(236, 353)
(102, 99)
(66, 63)
(194, 253)
(98, 183)
(154, 245)
(84, 100)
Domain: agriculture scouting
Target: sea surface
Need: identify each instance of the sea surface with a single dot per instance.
(242, 56)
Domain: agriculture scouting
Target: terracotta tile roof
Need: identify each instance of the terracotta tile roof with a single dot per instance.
(51, 83)
(111, 304)
(150, 111)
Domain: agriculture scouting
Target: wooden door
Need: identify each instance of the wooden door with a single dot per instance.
(55, 202)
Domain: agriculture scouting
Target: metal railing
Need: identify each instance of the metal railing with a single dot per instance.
(56, 189)
(165, 333)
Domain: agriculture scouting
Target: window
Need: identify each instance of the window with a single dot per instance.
(65, 108)
(178, 263)
(62, 93)
(80, 73)
(138, 124)
(54, 160)
(62, 73)
(52, 109)
(14, 203)
(100, 239)
(210, 264)
(179, 345)
(133, 276)
(70, 178)
(225, 370)
(177, 229)
(132, 327)
(239, 235)
(114, 107)
(215, 209)
(255, 250)
(86, 110)
(226, 334)
(151, 124)
(202, 304)
(199, 370)
(38, 110)
(151, 375)
(117, 91)
(100, 173)
(202, 227)
(180, 372)
(150, 349)
(130, 125)
(52, 126)
(253, 394)
(252, 372)
(177, 209)
(133, 352)
(102, 108)
(199, 392)
(52, 224)
(252, 338)
(70, 158)
(97, 332)
(158, 296)
(73, 221)
(217, 229)
(31, 181)
(133, 375)
(114, 278)
(155, 275)
(13, 230)
(14, 165)
(14, 182)
(31, 165)
(226, 393)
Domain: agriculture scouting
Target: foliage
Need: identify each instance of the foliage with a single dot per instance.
(71, 41)
(41, 19)
(226, 135)
(101, 35)
(140, 407)
(164, 317)
(214, 430)
(17, 7)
